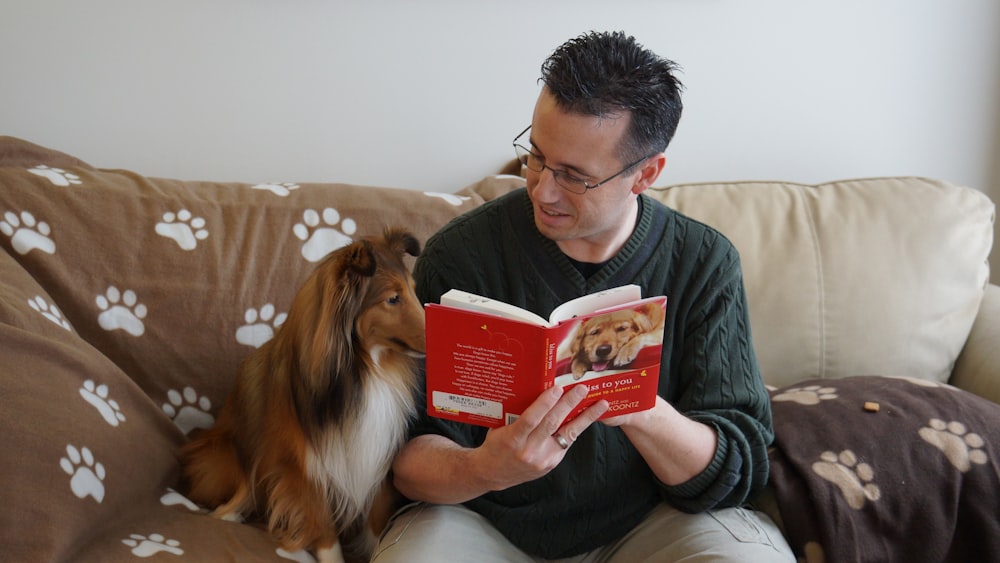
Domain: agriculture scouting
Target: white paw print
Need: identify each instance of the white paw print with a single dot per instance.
(809, 395)
(852, 478)
(87, 474)
(183, 227)
(319, 234)
(961, 447)
(50, 312)
(283, 189)
(143, 546)
(187, 410)
(173, 498)
(453, 199)
(26, 233)
(57, 176)
(97, 395)
(121, 311)
(258, 329)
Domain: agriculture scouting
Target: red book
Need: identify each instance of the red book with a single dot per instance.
(487, 360)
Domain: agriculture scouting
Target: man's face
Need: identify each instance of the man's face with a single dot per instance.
(592, 226)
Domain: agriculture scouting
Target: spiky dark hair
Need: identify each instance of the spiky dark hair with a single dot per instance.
(607, 73)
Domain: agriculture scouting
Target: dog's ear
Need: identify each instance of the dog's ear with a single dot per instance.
(648, 316)
(400, 241)
(358, 260)
(326, 308)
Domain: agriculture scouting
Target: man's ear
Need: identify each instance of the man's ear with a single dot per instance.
(649, 172)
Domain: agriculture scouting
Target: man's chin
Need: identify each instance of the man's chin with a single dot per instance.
(552, 233)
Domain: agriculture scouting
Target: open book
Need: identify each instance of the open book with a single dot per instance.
(488, 360)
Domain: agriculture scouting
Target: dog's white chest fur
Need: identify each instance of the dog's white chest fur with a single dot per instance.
(350, 461)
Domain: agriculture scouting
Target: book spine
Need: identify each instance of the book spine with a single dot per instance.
(549, 372)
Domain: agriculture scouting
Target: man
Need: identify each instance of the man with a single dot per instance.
(659, 485)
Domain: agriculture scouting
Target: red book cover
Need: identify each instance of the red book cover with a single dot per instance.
(487, 360)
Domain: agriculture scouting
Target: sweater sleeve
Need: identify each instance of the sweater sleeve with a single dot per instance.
(721, 386)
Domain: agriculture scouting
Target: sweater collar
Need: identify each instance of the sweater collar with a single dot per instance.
(563, 276)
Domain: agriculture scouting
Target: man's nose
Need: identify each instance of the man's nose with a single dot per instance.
(546, 188)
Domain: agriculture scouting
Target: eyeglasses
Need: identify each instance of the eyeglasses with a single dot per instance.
(565, 179)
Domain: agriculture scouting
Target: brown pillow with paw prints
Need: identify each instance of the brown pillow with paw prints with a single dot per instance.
(872, 468)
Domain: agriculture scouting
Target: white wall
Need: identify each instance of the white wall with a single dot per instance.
(429, 94)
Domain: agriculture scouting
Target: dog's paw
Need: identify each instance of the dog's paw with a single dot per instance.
(628, 353)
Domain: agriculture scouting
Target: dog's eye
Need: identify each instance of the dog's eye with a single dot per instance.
(394, 300)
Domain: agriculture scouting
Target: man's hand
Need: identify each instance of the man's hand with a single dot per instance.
(528, 448)
(435, 469)
(675, 447)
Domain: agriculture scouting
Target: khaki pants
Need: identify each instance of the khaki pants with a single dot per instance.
(425, 532)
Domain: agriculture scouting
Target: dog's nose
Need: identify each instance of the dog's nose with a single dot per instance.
(603, 350)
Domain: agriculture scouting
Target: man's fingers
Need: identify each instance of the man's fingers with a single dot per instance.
(581, 422)
(535, 414)
(551, 422)
(544, 418)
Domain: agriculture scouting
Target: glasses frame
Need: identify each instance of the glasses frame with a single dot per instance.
(561, 176)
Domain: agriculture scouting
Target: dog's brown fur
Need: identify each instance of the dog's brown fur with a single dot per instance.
(306, 437)
(614, 339)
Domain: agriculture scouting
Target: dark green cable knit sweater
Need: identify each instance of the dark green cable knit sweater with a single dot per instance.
(603, 488)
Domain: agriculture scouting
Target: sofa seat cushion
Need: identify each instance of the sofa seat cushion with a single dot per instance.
(873, 468)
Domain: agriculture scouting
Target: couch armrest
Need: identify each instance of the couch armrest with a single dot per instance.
(978, 366)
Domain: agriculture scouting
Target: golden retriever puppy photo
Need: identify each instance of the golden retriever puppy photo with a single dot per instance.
(614, 339)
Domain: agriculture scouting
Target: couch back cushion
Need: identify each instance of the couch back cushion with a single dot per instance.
(875, 276)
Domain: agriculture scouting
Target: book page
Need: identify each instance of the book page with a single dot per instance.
(595, 302)
(472, 302)
(484, 368)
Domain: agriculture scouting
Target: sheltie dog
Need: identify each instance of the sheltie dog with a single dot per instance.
(306, 437)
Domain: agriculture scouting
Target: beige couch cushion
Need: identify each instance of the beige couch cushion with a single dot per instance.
(877, 276)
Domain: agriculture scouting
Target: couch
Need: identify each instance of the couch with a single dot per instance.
(127, 303)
